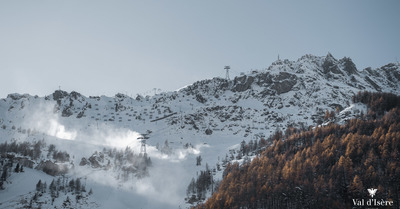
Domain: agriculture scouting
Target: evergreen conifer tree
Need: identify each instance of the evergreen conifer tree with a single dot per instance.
(39, 186)
(17, 169)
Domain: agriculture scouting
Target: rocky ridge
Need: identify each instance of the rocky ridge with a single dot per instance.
(295, 93)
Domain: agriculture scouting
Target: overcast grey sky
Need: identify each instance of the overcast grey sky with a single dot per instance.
(103, 47)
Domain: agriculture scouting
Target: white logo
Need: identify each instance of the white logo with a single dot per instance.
(372, 192)
(372, 202)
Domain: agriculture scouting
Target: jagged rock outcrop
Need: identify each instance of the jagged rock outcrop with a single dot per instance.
(59, 94)
(349, 66)
(17, 96)
(284, 82)
(330, 65)
(242, 83)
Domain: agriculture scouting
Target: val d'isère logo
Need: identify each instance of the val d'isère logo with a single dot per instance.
(372, 202)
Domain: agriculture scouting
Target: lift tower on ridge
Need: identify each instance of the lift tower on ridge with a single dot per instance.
(143, 144)
(227, 72)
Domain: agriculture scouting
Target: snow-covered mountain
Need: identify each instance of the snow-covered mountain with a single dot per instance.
(207, 118)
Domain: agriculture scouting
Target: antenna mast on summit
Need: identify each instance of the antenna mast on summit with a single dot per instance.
(227, 72)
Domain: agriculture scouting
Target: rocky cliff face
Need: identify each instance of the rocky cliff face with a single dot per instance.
(284, 75)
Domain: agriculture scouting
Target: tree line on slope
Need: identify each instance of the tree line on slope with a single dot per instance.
(324, 167)
(62, 186)
(25, 154)
(33, 150)
(205, 183)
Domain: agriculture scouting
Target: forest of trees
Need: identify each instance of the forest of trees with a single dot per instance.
(61, 185)
(378, 103)
(205, 183)
(197, 189)
(324, 167)
(32, 150)
(26, 154)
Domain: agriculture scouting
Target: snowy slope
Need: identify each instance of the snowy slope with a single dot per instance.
(212, 115)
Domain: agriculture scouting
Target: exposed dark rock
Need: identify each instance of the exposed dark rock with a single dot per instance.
(59, 94)
(120, 96)
(223, 85)
(392, 73)
(349, 66)
(17, 96)
(84, 162)
(95, 97)
(215, 108)
(80, 114)
(52, 168)
(284, 82)
(209, 131)
(284, 76)
(264, 79)
(200, 98)
(373, 84)
(209, 86)
(242, 83)
(75, 95)
(139, 97)
(66, 112)
(330, 65)
(371, 72)
(235, 99)
(94, 161)
(265, 93)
